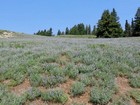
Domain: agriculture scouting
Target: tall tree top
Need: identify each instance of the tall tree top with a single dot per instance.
(138, 13)
(105, 15)
(114, 14)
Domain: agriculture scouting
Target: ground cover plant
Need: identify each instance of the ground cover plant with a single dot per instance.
(69, 71)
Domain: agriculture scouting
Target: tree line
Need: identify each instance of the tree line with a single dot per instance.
(108, 26)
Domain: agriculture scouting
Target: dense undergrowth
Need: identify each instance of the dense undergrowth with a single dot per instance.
(49, 62)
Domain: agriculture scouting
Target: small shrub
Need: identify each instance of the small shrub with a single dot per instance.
(55, 95)
(85, 79)
(77, 88)
(48, 67)
(35, 79)
(136, 95)
(85, 69)
(50, 59)
(57, 72)
(71, 72)
(100, 96)
(51, 81)
(122, 100)
(33, 93)
(135, 81)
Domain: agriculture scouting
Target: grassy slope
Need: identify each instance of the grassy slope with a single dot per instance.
(85, 67)
(77, 36)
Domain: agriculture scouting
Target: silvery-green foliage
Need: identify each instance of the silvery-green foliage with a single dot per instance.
(51, 81)
(86, 79)
(77, 88)
(100, 95)
(33, 93)
(55, 95)
(35, 79)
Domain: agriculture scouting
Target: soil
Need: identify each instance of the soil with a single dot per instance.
(123, 85)
(7, 82)
(132, 102)
(37, 102)
(84, 98)
(20, 89)
(123, 88)
(6, 35)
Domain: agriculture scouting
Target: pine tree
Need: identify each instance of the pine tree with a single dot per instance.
(88, 30)
(132, 27)
(59, 32)
(115, 27)
(62, 33)
(67, 32)
(103, 24)
(74, 30)
(137, 23)
(108, 25)
(94, 32)
(127, 32)
(81, 29)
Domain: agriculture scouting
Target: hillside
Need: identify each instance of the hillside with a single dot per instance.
(37, 70)
(6, 34)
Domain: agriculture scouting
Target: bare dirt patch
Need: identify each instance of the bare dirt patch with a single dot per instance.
(123, 89)
(66, 86)
(84, 98)
(6, 35)
(123, 85)
(64, 58)
(42, 89)
(20, 89)
(132, 102)
(7, 82)
(37, 102)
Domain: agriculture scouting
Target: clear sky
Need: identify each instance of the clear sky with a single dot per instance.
(29, 16)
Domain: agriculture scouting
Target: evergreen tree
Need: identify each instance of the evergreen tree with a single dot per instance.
(115, 27)
(44, 32)
(137, 23)
(67, 32)
(63, 33)
(81, 29)
(59, 32)
(108, 25)
(94, 32)
(88, 30)
(127, 32)
(132, 27)
(74, 30)
(103, 24)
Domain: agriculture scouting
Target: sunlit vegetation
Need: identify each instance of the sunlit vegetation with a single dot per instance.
(58, 70)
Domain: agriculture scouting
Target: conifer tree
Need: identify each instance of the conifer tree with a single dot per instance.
(67, 32)
(94, 32)
(115, 27)
(132, 27)
(127, 32)
(137, 23)
(59, 32)
(88, 30)
(108, 25)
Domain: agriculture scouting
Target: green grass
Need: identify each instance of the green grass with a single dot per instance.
(77, 36)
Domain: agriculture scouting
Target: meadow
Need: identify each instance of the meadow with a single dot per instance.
(37, 70)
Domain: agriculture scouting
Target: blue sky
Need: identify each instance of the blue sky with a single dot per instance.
(29, 16)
